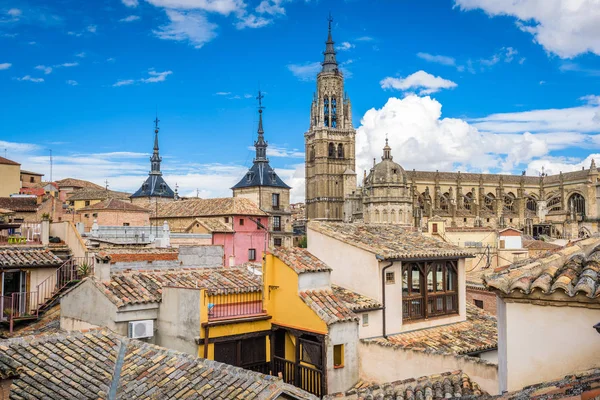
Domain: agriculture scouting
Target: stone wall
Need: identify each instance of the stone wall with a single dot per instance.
(201, 256)
(488, 299)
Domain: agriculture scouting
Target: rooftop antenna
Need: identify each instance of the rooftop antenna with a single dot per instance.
(197, 193)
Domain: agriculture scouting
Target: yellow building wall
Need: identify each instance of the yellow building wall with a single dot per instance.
(282, 301)
(81, 203)
(10, 179)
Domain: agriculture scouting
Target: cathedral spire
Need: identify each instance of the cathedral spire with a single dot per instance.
(155, 159)
(330, 63)
(387, 150)
(260, 145)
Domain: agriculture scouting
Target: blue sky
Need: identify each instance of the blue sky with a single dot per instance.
(470, 85)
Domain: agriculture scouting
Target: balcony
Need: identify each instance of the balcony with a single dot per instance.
(20, 233)
(238, 303)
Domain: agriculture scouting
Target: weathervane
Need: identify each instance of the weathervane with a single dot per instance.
(156, 121)
(259, 98)
(330, 20)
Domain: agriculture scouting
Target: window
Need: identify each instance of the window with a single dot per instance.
(465, 220)
(576, 204)
(365, 319)
(338, 356)
(246, 353)
(333, 113)
(226, 220)
(94, 215)
(429, 289)
(434, 228)
(502, 244)
(390, 278)
(241, 221)
(71, 203)
(531, 204)
(86, 215)
(275, 200)
(331, 152)
(125, 223)
(479, 303)
(87, 203)
(31, 179)
(326, 110)
(340, 151)
(251, 254)
(277, 242)
(277, 223)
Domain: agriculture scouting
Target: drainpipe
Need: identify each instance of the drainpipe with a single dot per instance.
(383, 294)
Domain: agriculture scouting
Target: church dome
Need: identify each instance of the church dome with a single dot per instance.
(387, 171)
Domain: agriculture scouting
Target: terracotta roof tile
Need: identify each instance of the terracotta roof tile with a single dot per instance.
(572, 271)
(96, 194)
(6, 161)
(114, 205)
(84, 365)
(435, 387)
(300, 260)
(208, 207)
(78, 183)
(355, 301)
(328, 306)
(539, 245)
(478, 333)
(213, 225)
(579, 385)
(19, 204)
(387, 240)
(48, 323)
(27, 257)
(146, 286)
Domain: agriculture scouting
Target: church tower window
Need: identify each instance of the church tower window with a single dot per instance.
(326, 110)
(340, 151)
(331, 153)
(333, 112)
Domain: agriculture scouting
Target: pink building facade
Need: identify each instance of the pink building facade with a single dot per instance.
(247, 242)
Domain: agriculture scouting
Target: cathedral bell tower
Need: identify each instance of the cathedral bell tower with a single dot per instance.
(329, 143)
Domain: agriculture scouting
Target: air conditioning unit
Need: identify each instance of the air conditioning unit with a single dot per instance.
(141, 329)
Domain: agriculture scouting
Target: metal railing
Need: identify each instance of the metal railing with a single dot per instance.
(286, 368)
(243, 301)
(303, 376)
(74, 269)
(19, 305)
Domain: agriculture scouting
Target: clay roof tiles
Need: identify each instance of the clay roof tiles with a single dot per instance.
(213, 225)
(388, 241)
(146, 286)
(579, 385)
(19, 204)
(208, 207)
(27, 257)
(300, 260)
(355, 301)
(539, 245)
(435, 387)
(113, 204)
(91, 365)
(77, 183)
(478, 333)
(330, 308)
(96, 194)
(572, 272)
(6, 161)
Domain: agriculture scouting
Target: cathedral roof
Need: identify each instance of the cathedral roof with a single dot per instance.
(387, 171)
(154, 186)
(261, 174)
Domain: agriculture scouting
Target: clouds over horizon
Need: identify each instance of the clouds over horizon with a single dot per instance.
(420, 81)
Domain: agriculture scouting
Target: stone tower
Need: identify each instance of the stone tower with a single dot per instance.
(329, 142)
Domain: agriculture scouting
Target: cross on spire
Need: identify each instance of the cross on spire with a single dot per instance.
(156, 121)
(330, 20)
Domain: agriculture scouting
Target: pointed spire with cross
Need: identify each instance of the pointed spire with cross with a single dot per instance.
(260, 145)
(330, 63)
(155, 159)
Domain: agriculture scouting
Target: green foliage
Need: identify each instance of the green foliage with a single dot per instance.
(84, 269)
(303, 242)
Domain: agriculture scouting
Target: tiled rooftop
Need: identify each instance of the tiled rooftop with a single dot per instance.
(96, 194)
(27, 257)
(573, 273)
(579, 385)
(388, 241)
(355, 301)
(6, 161)
(214, 225)
(114, 205)
(208, 207)
(129, 254)
(98, 363)
(78, 183)
(328, 306)
(539, 245)
(146, 286)
(300, 260)
(435, 387)
(478, 333)
(48, 323)
(19, 204)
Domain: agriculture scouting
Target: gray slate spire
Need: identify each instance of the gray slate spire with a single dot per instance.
(155, 159)
(330, 63)
(260, 144)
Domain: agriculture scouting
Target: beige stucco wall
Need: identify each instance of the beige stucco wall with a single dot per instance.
(544, 343)
(86, 305)
(387, 364)
(10, 176)
(179, 319)
(341, 379)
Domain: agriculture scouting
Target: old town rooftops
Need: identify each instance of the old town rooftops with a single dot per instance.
(77, 183)
(355, 301)
(212, 225)
(435, 387)
(133, 254)
(208, 207)
(91, 365)
(388, 241)
(27, 257)
(19, 204)
(328, 306)
(114, 205)
(300, 260)
(97, 194)
(478, 333)
(571, 274)
(141, 287)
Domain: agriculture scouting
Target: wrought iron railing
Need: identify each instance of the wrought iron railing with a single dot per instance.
(242, 301)
(74, 269)
(17, 306)
(303, 376)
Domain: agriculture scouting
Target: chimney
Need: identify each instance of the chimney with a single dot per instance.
(45, 231)
(102, 268)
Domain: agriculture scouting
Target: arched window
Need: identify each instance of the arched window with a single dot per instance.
(554, 203)
(333, 112)
(576, 204)
(444, 201)
(312, 153)
(488, 201)
(376, 216)
(326, 110)
(467, 201)
(393, 216)
(531, 204)
(385, 217)
(340, 151)
(509, 202)
(331, 152)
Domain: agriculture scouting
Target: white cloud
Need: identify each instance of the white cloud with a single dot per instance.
(130, 3)
(252, 21)
(271, 7)
(566, 28)
(72, 82)
(345, 46)
(224, 7)
(130, 18)
(192, 27)
(365, 39)
(555, 165)
(5, 66)
(81, 55)
(124, 82)
(281, 151)
(248, 96)
(421, 80)
(156, 76)
(67, 65)
(223, 93)
(76, 34)
(47, 70)
(110, 59)
(14, 12)
(92, 28)
(306, 71)
(438, 59)
(31, 79)
(591, 99)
